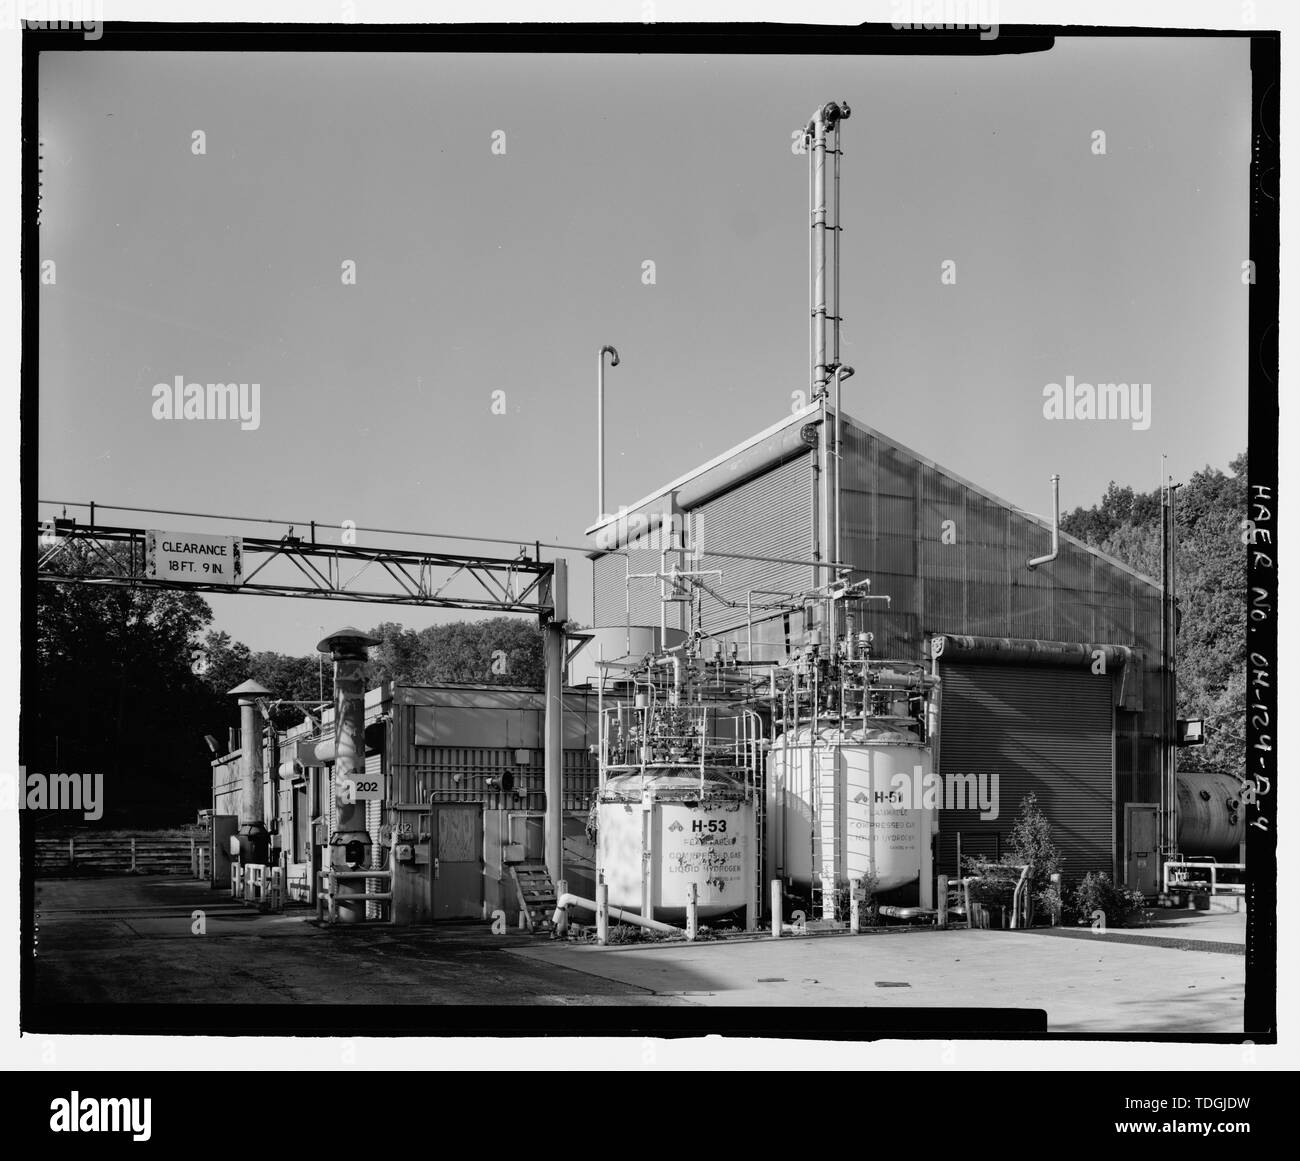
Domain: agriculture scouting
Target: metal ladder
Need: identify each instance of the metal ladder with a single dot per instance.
(827, 864)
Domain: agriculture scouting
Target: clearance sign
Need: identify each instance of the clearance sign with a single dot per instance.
(190, 556)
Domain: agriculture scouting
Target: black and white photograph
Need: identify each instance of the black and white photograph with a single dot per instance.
(552, 536)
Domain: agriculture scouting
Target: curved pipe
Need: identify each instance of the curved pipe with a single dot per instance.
(614, 913)
(891, 912)
(1056, 528)
(600, 426)
(1015, 898)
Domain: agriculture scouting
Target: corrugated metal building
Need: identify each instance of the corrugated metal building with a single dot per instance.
(439, 758)
(952, 558)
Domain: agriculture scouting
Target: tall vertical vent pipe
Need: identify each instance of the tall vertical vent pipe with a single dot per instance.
(822, 136)
(601, 512)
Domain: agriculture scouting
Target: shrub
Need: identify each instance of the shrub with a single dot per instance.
(1051, 902)
(1030, 841)
(1096, 892)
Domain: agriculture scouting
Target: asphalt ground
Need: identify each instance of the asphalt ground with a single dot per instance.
(132, 940)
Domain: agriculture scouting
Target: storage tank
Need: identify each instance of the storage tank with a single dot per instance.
(1211, 819)
(677, 801)
(687, 827)
(846, 803)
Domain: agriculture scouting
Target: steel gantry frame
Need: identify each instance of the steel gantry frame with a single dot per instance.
(521, 585)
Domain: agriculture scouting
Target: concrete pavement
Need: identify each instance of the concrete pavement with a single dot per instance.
(1085, 984)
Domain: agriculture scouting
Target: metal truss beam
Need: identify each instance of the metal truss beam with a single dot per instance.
(117, 556)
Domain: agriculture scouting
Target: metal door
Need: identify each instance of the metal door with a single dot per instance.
(223, 826)
(1140, 846)
(457, 861)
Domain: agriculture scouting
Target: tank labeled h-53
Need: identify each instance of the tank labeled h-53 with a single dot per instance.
(676, 804)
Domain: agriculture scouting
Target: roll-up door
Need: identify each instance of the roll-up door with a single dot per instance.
(1046, 731)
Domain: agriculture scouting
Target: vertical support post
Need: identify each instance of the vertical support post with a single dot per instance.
(647, 855)
(776, 909)
(1056, 910)
(1172, 722)
(554, 729)
(965, 892)
(927, 861)
(561, 890)
(692, 912)
(1165, 839)
(72, 852)
(133, 856)
(943, 902)
(602, 911)
(855, 907)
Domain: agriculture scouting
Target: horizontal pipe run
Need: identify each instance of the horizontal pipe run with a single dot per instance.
(614, 913)
(893, 912)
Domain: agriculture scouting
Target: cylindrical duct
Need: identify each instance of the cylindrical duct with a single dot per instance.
(250, 734)
(251, 843)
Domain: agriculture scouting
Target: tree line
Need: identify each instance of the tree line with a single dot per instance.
(1210, 584)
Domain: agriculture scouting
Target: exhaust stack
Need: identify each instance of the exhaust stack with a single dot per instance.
(252, 843)
(350, 843)
(822, 136)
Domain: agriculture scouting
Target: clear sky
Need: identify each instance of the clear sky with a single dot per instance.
(479, 271)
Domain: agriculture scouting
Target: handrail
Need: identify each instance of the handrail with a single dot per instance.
(327, 895)
(1213, 868)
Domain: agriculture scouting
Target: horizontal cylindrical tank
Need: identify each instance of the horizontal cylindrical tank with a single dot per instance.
(1211, 815)
(682, 830)
(850, 803)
